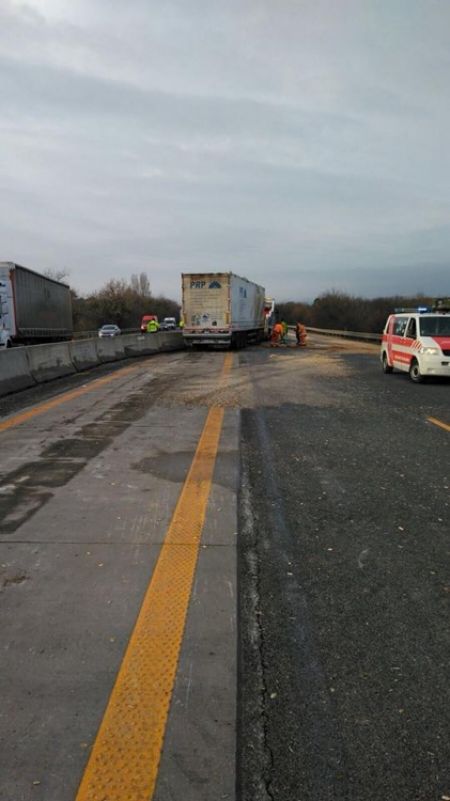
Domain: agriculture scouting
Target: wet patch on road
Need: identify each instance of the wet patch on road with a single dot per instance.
(29, 487)
(174, 466)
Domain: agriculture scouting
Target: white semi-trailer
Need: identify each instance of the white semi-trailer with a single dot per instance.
(33, 308)
(222, 309)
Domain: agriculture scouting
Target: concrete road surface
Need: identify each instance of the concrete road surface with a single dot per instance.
(226, 576)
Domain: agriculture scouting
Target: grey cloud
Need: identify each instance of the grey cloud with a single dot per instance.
(54, 91)
(304, 146)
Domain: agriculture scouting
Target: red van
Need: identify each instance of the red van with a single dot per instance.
(145, 321)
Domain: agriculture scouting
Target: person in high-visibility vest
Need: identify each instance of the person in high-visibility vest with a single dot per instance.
(181, 323)
(301, 335)
(152, 327)
(284, 326)
(277, 333)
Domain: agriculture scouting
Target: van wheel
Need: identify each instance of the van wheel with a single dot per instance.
(386, 366)
(414, 372)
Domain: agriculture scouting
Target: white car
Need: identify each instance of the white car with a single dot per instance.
(169, 324)
(417, 342)
(109, 331)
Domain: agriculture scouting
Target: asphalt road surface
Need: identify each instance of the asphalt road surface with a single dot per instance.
(226, 577)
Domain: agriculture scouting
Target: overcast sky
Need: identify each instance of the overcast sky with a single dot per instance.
(304, 144)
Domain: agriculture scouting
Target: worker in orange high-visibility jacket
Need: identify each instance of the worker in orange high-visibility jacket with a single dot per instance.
(301, 335)
(277, 333)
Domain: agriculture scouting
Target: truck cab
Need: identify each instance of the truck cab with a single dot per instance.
(269, 315)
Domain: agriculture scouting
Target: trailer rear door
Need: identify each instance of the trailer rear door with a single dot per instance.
(206, 300)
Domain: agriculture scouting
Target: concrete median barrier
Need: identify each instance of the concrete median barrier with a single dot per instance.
(14, 371)
(24, 367)
(84, 354)
(50, 361)
(140, 344)
(110, 349)
(170, 340)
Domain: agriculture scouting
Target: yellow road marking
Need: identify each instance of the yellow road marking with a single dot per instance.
(227, 364)
(439, 423)
(124, 761)
(18, 419)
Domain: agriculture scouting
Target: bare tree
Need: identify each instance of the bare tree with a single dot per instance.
(122, 302)
(141, 284)
(58, 275)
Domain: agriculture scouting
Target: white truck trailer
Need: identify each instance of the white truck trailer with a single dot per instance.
(222, 309)
(33, 308)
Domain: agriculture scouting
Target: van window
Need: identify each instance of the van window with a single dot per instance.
(438, 326)
(411, 331)
(400, 326)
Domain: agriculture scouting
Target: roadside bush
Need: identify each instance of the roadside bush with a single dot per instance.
(120, 302)
(342, 312)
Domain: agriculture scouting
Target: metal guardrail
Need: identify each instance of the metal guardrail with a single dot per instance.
(358, 335)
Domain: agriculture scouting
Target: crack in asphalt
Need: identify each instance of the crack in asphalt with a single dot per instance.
(256, 635)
